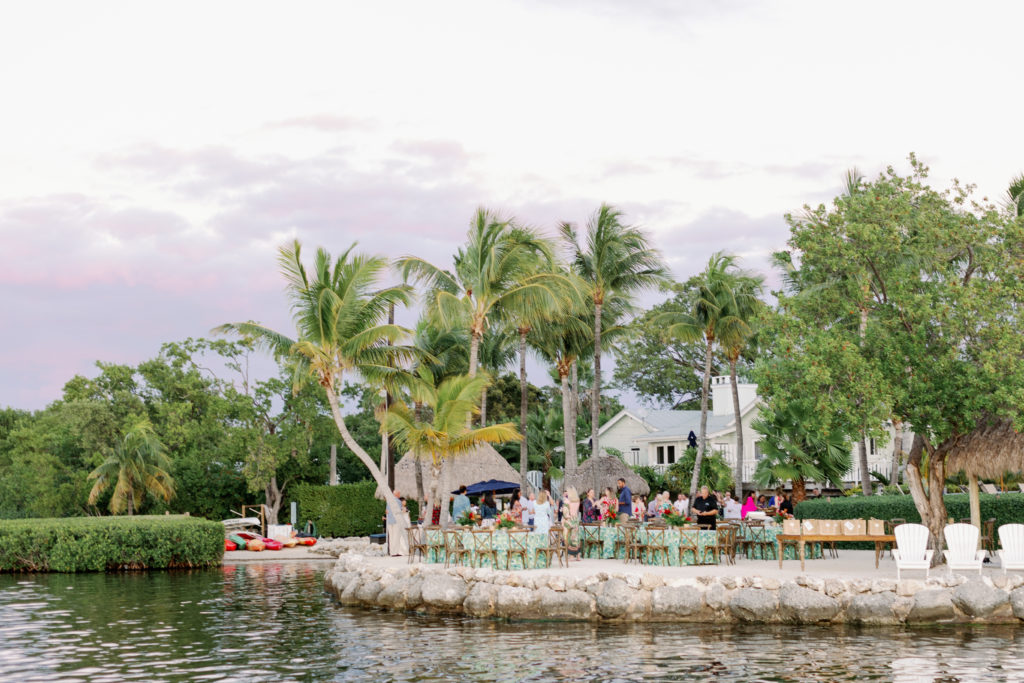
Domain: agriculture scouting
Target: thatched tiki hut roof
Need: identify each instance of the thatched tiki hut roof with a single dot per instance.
(413, 480)
(988, 451)
(605, 470)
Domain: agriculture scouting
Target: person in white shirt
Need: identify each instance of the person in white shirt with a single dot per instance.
(682, 505)
(733, 509)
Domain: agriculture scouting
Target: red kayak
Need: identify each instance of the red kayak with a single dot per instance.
(230, 545)
(271, 544)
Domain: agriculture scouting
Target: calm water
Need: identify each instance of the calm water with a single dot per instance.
(274, 622)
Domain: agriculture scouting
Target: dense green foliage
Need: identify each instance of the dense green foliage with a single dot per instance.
(95, 544)
(340, 511)
(1007, 508)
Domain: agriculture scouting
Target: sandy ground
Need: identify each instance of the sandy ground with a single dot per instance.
(851, 564)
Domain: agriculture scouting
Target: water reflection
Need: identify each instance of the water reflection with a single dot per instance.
(273, 622)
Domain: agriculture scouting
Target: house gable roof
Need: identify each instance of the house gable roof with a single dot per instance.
(682, 422)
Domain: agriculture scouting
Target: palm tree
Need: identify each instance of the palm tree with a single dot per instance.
(137, 465)
(495, 272)
(712, 312)
(793, 453)
(1015, 196)
(445, 435)
(338, 310)
(615, 259)
(497, 351)
(541, 431)
(735, 331)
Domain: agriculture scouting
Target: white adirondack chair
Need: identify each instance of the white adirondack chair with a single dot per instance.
(912, 551)
(1011, 537)
(963, 553)
(989, 489)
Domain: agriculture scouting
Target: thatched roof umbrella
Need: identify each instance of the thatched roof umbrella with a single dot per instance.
(987, 452)
(412, 475)
(605, 470)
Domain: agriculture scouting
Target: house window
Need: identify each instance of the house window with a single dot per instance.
(758, 453)
(636, 455)
(871, 448)
(670, 454)
(661, 455)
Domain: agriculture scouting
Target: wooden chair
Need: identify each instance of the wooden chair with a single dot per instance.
(454, 551)
(483, 546)
(727, 542)
(518, 545)
(689, 538)
(1011, 555)
(417, 542)
(556, 546)
(988, 535)
(434, 539)
(625, 540)
(912, 551)
(656, 545)
(590, 535)
(963, 553)
(757, 538)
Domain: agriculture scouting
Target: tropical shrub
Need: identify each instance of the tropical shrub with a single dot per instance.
(1006, 508)
(343, 510)
(93, 544)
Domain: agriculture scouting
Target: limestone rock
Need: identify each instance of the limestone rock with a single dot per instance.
(633, 581)
(883, 586)
(414, 593)
(834, 587)
(367, 592)
(716, 597)
(557, 583)
(978, 599)
(614, 598)
(932, 605)
(443, 592)
(908, 587)
(393, 595)
(481, 600)
(770, 583)
(571, 605)
(640, 606)
(678, 601)
(1017, 601)
(729, 582)
(516, 602)
(806, 606)
(755, 605)
(872, 608)
(651, 581)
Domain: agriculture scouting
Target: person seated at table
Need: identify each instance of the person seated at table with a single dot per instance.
(705, 506)
(748, 507)
(652, 507)
(786, 506)
(638, 507)
(664, 504)
(589, 507)
(542, 513)
(682, 504)
(762, 502)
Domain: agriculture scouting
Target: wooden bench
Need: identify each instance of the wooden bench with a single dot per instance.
(801, 539)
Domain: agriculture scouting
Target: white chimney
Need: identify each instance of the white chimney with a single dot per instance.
(721, 395)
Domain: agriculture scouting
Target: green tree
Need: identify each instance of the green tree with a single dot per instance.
(793, 451)
(722, 292)
(613, 260)
(542, 430)
(496, 272)
(136, 465)
(943, 281)
(445, 435)
(715, 472)
(338, 310)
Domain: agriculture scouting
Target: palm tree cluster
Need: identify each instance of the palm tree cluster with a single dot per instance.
(506, 292)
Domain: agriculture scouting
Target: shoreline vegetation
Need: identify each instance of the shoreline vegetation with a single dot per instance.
(96, 544)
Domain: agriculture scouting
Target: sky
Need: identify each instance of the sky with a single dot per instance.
(155, 155)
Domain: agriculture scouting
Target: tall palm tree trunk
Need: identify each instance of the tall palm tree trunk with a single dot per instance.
(897, 452)
(523, 450)
(568, 427)
(739, 426)
(483, 407)
(862, 452)
(702, 442)
(474, 352)
(382, 483)
(799, 490)
(574, 379)
(595, 400)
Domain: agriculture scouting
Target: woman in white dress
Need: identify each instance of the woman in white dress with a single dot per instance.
(542, 513)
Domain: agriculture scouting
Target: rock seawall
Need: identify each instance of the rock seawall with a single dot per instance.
(649, 597)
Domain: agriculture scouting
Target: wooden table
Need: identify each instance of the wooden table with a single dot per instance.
(801, 539)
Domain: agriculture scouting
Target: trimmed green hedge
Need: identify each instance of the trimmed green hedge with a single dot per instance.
(1006, 508)
(93, 544)
(343, 510)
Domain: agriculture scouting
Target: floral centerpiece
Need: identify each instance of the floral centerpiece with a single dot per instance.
(468, 518)
(610, 518)
(506, 521)
(673, 519)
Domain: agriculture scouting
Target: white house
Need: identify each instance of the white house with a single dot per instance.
(657, 438)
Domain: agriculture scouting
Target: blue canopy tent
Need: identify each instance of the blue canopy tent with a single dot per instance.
(492, 485)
